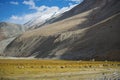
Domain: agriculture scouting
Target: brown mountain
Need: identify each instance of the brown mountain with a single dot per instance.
(98, 6)
(89, 30)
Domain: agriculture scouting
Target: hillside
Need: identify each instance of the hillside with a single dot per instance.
(8, 32)
(90, 31)
(100, 9)
(39, 21)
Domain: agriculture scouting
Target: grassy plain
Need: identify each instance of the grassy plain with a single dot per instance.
(33, 69)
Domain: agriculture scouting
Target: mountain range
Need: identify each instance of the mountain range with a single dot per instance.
(90, 30)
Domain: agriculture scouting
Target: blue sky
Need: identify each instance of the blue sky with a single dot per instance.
(21, 11)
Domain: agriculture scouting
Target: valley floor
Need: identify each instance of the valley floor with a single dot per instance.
(33, 69)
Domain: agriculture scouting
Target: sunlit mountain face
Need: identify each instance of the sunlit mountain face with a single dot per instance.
(22, 11)
(81, 31)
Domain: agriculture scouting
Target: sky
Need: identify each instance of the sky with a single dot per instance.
(21, 11)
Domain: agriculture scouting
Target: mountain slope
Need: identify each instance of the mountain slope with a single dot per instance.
(108, 7)
(34, 23)
(85, 35)
(95, 41)
(8, 30)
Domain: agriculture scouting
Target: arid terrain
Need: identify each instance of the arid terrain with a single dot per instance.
(35, 69)
(82, 43)
(89, 30)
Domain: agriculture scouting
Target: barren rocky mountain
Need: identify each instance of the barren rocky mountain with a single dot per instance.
(89, 30)
(98, 6)
(39, 21)
(8, 32)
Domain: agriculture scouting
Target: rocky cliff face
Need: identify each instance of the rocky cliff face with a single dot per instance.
(89, 30)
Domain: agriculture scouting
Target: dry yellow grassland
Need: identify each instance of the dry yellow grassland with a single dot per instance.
(15, 69)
